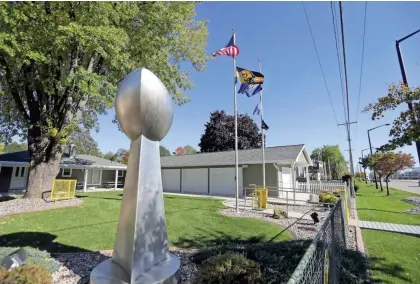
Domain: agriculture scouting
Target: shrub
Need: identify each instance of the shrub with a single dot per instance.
(326, 197)
(353, 268)
(279, 213)
(26, 274)
(277, 260)
(229, 268)
(34, 256)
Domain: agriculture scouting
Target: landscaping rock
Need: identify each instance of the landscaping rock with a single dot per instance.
(22, 205)
(301, 229)
(415, 200)
(76, 267)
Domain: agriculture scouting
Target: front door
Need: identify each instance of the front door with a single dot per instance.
(18, 180)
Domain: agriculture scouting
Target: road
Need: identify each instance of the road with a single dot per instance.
(406, 185)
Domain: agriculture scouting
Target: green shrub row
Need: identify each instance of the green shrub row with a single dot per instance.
(326, 197)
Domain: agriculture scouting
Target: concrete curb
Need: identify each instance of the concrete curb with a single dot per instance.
(359, 239)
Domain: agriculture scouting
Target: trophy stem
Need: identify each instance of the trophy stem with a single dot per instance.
(141, 253)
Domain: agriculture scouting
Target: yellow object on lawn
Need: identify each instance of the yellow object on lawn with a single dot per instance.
(63, 189)
(262, 197)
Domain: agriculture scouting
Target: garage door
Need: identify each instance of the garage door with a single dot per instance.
(195, 180)
(171, 180)
(222, 181)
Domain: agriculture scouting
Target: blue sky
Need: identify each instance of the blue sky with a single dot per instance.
(296, 104)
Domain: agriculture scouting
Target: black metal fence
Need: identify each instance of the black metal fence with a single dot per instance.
(322, 261)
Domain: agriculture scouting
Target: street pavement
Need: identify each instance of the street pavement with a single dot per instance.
(406, 185)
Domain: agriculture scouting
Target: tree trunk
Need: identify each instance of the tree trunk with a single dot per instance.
(380, 182)
(387, 188)
(44, 166)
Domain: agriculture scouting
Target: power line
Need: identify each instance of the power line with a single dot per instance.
(319, 61)
(361, 69)
(337, 49)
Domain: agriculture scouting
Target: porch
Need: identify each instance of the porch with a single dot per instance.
(93, 179)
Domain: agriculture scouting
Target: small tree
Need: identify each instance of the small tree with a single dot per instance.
(219, 133)
(124, 159)
(164, 151)
(179, 151)
(388, 163)
(189, 150)
(405, 128)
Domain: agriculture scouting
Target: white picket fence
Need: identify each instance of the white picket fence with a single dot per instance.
(315, 186)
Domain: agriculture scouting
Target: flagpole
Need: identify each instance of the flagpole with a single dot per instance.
(236, 127)
(262, 130)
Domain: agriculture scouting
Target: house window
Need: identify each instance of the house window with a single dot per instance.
(17, 171)
(22, 172)
(120, 174)
(66, 172)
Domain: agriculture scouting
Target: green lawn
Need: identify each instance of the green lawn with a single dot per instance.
(393, 258)
(191, 222)
(374, 205)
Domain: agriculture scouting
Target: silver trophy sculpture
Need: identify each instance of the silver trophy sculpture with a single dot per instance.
(141, 255)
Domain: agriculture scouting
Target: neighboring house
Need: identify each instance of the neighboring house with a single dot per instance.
(203, 173)
(214, 173)
(89, 171)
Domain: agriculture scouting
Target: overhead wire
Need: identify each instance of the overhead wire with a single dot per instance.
(361, 69)
(320, 65)
(337, 49)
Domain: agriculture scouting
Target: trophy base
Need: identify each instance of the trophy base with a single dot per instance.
(165, 272)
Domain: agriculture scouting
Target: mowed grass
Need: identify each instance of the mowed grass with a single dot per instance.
(191, 223)
(374, 205)
(393, 257)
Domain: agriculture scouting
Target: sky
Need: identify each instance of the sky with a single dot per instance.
(295, 100)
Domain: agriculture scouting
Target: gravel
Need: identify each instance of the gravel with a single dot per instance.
(351, 238)
(415, 200)
(22, 205)
(301, 229)
(76, 267)
(352, 208)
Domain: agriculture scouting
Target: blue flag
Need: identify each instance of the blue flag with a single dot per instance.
(250, 90)
(257, 110)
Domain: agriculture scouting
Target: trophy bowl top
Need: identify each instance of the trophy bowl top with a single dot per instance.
(143, 106)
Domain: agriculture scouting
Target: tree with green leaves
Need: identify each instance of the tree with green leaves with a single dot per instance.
(406, 127)
(164, 151)
(219, 133)
(84, 143)
(331, 154)
(61, 63)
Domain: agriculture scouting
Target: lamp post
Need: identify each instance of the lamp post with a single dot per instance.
(364, 169)
(370, 146)
(404, 78)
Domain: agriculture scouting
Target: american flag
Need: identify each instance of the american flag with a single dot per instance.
(230, 49)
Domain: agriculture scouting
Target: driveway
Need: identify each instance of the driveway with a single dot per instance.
(406, 185)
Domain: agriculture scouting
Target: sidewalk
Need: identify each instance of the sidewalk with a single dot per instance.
(389, 227)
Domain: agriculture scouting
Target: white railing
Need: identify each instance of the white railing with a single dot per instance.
(317, 186)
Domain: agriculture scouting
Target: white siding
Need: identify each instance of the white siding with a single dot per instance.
(171, 180)
(222, 182)
(195, 180)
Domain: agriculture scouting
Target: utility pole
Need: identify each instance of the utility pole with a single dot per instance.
(348, 123)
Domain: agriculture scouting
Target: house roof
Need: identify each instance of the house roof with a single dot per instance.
(78, 161)
(285, 155)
